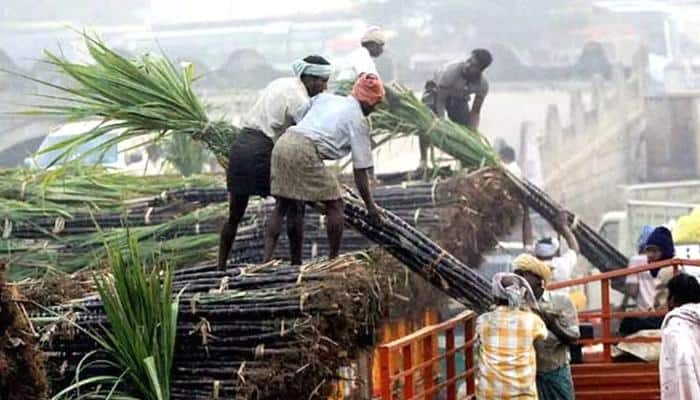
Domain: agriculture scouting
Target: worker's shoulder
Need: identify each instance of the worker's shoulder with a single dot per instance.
(450, 73)
(337, 103)
(284, 83)
(560, 301)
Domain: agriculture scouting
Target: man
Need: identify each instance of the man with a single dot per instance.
(679, 367)
(452, 90)
(554, 380)
(507, 155)
(248, 172)
(641, 287)
(507, 365)
(334, 127)
(548, 250)
(658, 247)
(361, 60)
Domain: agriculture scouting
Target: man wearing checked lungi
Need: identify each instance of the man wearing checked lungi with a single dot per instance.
(280, 105)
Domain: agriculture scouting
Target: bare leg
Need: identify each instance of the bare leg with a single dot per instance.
(237, 205)
(274, 227)
(295, 230)
(334, 228)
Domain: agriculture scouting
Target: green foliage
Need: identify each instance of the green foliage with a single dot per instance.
(140, 340)
(185, 154)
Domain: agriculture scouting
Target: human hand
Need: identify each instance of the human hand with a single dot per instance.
(374, 214)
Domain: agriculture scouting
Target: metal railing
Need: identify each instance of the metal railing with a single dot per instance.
(607, 314)
(419, 377)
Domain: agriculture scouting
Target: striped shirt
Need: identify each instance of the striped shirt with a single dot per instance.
(507, 361)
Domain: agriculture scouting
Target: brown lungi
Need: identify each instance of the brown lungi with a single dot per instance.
(298, 172)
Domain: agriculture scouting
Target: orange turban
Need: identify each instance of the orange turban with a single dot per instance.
(368, 89)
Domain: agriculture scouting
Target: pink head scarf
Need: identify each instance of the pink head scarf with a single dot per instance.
(368, 89)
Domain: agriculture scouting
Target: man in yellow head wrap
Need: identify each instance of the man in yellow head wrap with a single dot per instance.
(559, 314)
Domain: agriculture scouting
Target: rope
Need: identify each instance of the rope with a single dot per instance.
(433, 266)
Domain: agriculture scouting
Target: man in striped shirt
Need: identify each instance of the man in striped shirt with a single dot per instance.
(507, 361)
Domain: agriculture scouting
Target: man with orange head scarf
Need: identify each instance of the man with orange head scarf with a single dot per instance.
(334, 127)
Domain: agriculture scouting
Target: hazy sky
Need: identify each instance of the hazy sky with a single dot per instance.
(189, 10)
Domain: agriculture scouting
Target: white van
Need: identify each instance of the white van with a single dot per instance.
(123, 156)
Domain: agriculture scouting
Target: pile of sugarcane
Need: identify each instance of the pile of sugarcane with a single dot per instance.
(471, 225)
(182, 224)
(152, 94)
(253, 331)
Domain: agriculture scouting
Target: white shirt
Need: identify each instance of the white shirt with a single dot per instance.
(337, 127)
(278, 107)
(357, 62)
(644, 281)
(563, 268)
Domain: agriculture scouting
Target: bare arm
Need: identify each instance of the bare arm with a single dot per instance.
(566, 336)
(475, 112)
(563, 322)
(568, 233)
(440, 101)
(527, 227)
(362, 181)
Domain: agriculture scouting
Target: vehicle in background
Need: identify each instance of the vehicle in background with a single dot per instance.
(654, 204)
(123, 156)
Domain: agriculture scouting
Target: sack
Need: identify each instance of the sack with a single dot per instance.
(687, 229)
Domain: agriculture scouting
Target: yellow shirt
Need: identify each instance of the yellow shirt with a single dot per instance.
(507, 362)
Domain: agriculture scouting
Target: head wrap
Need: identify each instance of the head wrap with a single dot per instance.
(644, 236)
(514, 288)
(368, 89)
(301, 67)
(546, 248)
(526, 262)
(374, 34)
(661, 238)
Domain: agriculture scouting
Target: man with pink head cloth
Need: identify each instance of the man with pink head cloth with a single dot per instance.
(334, 127)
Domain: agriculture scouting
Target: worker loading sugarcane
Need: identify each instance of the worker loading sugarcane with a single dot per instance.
(361, 60)
(559, 314)
(279, 106)
(451, 90)
(333, 127)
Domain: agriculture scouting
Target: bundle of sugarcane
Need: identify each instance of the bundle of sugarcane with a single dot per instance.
(404, 114)
(180, 238)
(189, 234)
(253, 331)
(75, 187)
(471, 225)
(597, 250)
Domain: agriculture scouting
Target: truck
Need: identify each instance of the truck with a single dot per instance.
(654, 204)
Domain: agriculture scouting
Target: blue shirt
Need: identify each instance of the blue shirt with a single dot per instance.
(337, 127)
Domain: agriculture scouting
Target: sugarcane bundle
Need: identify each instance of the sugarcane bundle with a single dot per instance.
(405, 114)
(75, 187)
(471, 224)
(35, 248)
(253, 331)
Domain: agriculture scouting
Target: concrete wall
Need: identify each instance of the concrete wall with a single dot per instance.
(586, 160)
